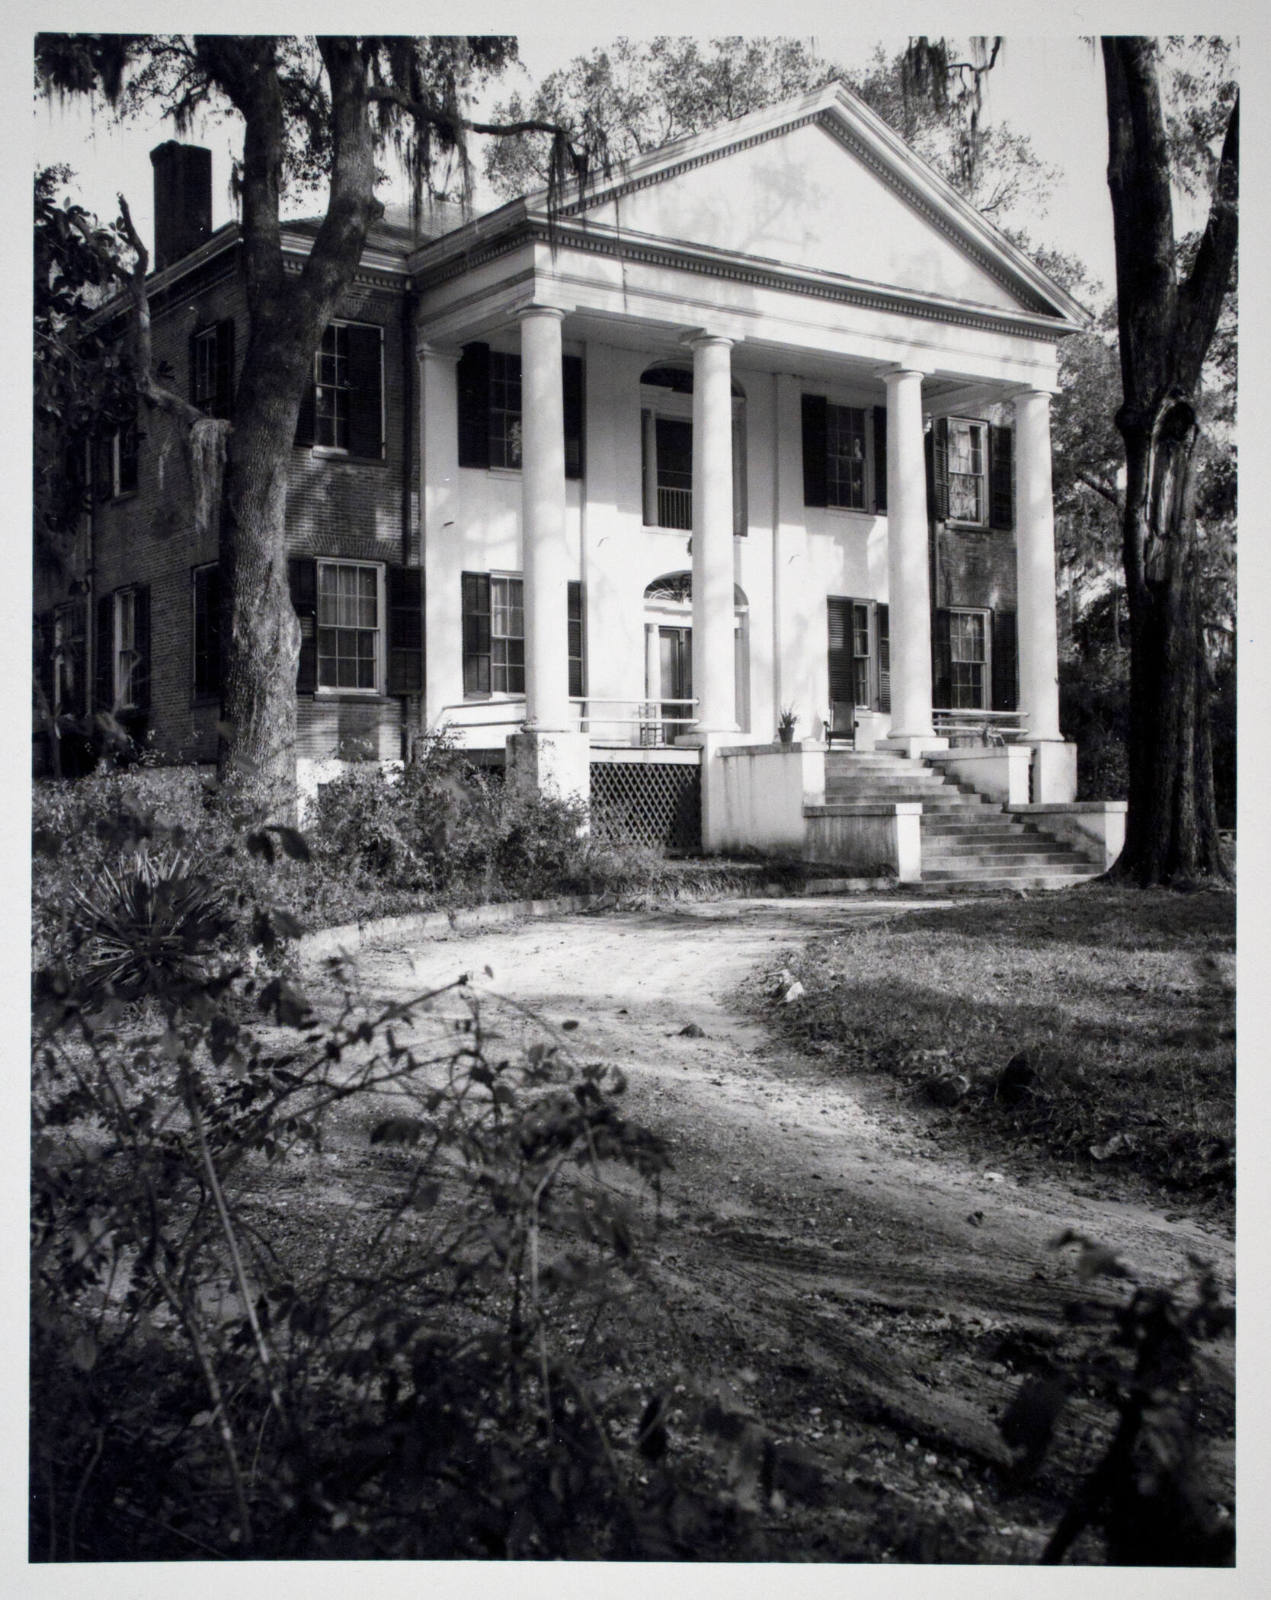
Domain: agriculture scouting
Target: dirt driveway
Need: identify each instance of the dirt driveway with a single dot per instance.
(861, 1292)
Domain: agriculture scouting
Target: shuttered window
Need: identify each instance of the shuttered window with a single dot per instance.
(494, 635)
(859, 657)
(121, 679)
(844, 455)
(361, 627)
(343, 409)
(212, 368)
(489, 397)
(972, 473)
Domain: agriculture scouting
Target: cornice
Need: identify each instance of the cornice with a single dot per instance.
(756, 274)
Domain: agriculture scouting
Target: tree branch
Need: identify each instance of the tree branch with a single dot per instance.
(1108, 493)
(153, 391)
(1200, 299)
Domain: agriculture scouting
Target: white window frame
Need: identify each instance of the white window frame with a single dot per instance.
(319, 446)
(124, 657)
(330, 690)
(977, 429)
(64, 638)
(985, 663)
(507, 667)
(203, 381)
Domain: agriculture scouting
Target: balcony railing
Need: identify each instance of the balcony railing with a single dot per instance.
(970, 726)
(639, 723)
(675, 508)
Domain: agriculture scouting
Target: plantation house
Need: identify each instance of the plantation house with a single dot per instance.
(759, 422)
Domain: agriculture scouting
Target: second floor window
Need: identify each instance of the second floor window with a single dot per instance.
(344, 408)
(489, 393)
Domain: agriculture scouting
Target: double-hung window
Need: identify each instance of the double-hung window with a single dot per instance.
(361, 627)
(969, 660)
(972, 473)
(343, 409)
(349, 626)
(69, 688)
(489, 394)
(116, 461)
(844, 455)
(122, 644)
(494, 635)
(212, 368)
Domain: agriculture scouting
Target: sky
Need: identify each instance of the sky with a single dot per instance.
(1049, 87)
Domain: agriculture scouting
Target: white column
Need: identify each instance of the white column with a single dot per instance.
(439, 528)
(908, 569)
(714, 682)
(544, 551)
(1035, 556)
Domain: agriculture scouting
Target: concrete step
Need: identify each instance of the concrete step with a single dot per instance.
(996, 848)
(996, 872)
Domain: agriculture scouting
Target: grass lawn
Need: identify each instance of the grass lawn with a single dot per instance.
(1096, 1027)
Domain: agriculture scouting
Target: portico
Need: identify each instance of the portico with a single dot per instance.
(538, 551)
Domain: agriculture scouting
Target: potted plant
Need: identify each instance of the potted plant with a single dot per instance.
(785, 725)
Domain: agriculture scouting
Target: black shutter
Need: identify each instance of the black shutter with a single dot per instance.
(572, 380)
(366, 397)
(405, 630)
(941, 660)
(880, 458)
(839, 656)
(473, 379)
(476, 633)
(302, 573)
(1005, 662)
(207, 631)
(141, 646)
(306, 420)
(940, 469)
(1002, 480)
(882, 626)
(104, 652)
(192, 349)
(575, 631)
(815, 422)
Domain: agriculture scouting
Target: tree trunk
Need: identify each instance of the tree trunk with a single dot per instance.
(1165, 330)
(1172, 821)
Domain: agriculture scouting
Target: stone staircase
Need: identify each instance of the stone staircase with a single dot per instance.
(967, 841)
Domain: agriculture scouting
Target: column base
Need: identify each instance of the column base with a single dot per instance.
(555, 765)
(912, 744)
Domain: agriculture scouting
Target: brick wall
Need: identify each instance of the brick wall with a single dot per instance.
(335, 507)
(974, 567)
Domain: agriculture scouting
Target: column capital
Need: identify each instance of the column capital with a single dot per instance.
(702, 336)
(1033, 392)
(901, 371)
(539, 310)
(426, 350)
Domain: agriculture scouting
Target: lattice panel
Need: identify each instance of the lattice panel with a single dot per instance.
(647, 802)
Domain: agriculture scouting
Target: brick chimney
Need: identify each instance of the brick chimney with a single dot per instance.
(182, 200)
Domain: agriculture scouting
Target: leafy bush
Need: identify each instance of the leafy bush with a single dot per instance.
(209, 1380)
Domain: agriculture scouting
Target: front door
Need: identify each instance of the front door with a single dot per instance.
(675, 655)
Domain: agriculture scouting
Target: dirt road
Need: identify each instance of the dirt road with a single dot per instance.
(863, 1293)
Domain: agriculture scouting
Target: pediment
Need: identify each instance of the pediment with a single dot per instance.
(821, 193)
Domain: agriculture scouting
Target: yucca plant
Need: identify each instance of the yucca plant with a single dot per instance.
(148, 925)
